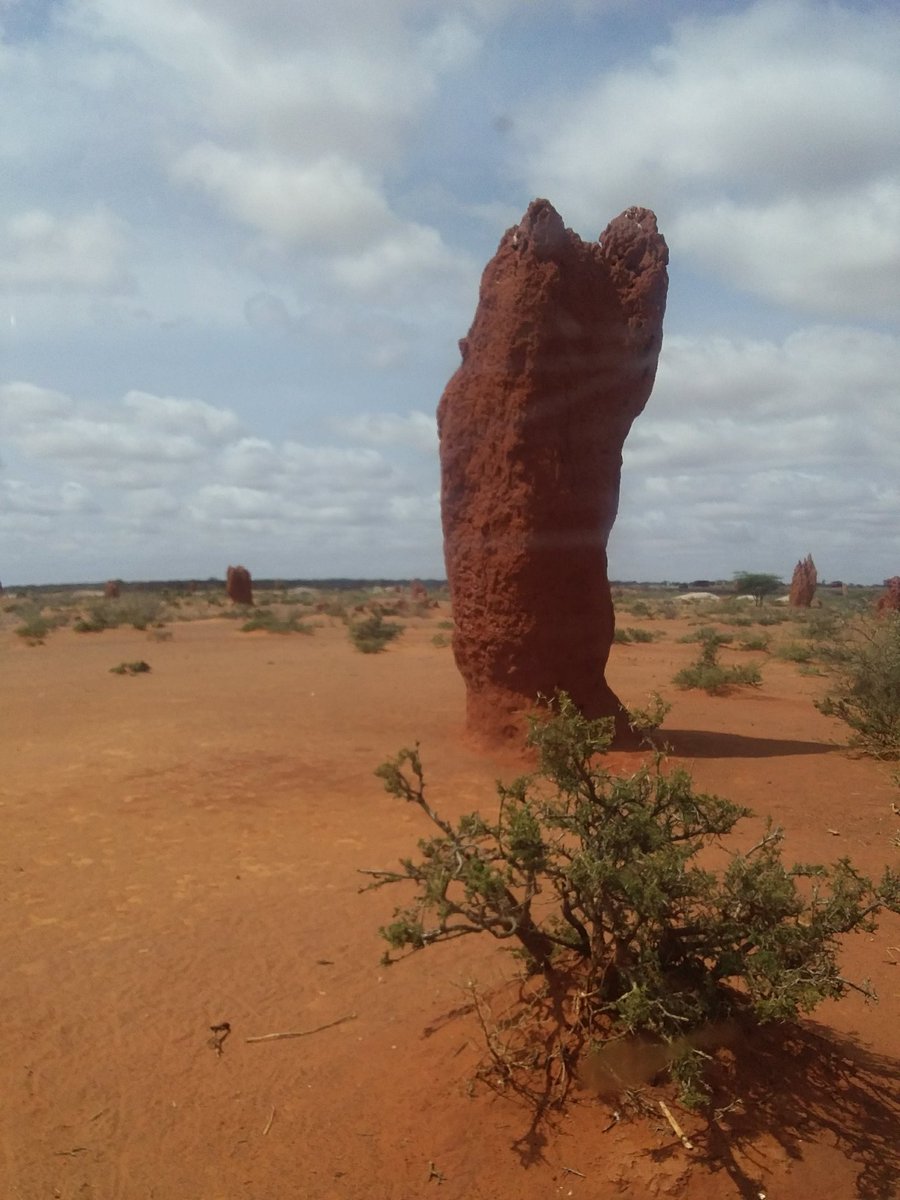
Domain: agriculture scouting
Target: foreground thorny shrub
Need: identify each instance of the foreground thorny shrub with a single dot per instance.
(866, 692)
(597, 880)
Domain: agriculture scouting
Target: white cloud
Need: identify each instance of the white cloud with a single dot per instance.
(40, 251)
(23, 404)
(168, 475)
(251, 462)
(752, 454)
(323, 205)
(416, 429)
(194, 417)
(767, 141)
(398, 261)
(19, 496)
(295, 76)
(146, 440)
(847, 248)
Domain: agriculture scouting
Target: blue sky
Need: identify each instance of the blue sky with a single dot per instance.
(239, 244)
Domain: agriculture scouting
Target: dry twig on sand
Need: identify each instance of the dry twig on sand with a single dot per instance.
(679, 1132)
(278, 1037)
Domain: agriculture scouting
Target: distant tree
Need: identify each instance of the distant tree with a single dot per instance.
(757, 585)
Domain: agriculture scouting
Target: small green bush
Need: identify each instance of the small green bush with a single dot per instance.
(866, 693)
(95, 622)
(716, 680)
(633, 934)
(630, 634)
(441, 641)
(708, 675)
(374, 634)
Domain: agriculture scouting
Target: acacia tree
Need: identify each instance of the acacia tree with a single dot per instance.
(757, 584)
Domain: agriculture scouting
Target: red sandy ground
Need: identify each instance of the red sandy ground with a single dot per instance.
(180, 849)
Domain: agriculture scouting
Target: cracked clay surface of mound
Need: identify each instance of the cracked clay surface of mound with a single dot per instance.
(560, 359)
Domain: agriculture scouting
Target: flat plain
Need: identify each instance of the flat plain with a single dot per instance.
(182, 849)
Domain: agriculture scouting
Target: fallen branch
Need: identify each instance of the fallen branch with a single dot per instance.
(269, 1122)
(679, 1132)
(277, 1037)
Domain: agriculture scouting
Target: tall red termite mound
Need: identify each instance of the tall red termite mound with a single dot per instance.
(239, 586)
(803, 583)
(889, 601)
(560, 359)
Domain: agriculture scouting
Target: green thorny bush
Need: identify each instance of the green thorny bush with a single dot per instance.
(866, 690)
(595, 879)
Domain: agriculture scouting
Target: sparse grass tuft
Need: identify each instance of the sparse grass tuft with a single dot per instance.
(795, 652)
(708, 675)
(757, 642)
(131, 668)
(267, 619)
(35, 626)
(630, 634)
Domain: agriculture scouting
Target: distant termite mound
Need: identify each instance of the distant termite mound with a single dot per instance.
(889, 601)
(238, 585)
(560, 359)
(803, 583)
(111, 589)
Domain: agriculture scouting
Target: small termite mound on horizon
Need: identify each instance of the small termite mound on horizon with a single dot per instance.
(239, 586)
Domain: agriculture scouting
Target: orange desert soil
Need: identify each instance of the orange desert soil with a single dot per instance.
(180, 849)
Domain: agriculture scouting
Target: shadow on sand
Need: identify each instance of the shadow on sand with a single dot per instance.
(800, 1085)
(702, 743)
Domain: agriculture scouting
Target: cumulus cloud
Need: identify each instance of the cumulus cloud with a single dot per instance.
(296, 76)
(196, 418)
(767, 140)
(416, 429)
(174, 474)
(847, 247)
(145, 440)
(395, 264)
(23, 404)
(40, 251)
(21, 497)
(753, 453)
(325, 204)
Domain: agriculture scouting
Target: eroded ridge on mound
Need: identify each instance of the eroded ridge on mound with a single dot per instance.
(559, 360)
